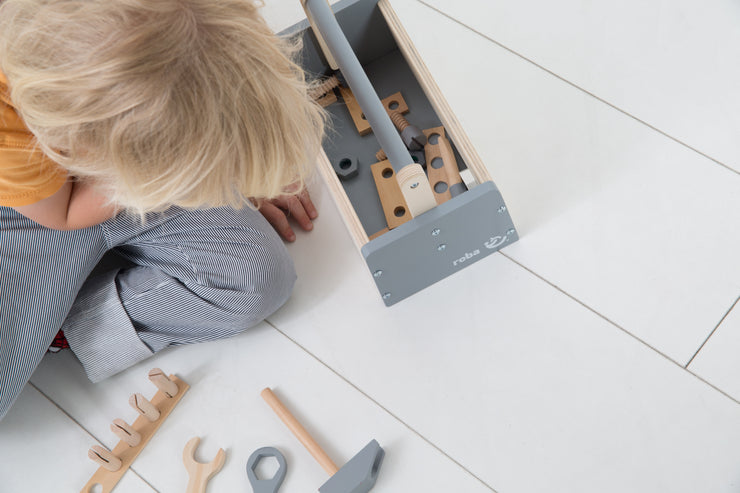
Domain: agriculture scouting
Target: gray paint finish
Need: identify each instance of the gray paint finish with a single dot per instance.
(471, 226)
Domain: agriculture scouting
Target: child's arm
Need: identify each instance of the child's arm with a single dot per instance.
(76, 205)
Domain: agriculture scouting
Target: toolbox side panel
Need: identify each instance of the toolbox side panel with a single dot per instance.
(439, 242)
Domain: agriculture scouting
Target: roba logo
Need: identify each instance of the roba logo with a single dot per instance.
(493, 242)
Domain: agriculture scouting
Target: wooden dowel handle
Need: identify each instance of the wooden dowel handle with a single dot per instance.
(300, 432)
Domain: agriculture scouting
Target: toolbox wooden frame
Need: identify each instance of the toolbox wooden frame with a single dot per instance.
(443, 240)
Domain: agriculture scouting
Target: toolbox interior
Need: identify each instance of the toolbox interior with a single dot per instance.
(372, 41)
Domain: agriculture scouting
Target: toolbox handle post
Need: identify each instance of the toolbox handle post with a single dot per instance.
(412, 180)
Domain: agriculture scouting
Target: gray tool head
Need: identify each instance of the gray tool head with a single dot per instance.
(270, 485)
(359, 474)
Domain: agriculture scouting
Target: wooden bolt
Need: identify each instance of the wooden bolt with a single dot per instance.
(125, 432)
(323, 87)
(144, 407)
(162, 382)
(412, 136)
(104, 458)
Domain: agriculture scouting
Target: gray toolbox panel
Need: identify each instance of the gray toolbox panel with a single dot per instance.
(437, 243)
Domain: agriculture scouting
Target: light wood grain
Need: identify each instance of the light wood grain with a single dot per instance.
(300, 432)
(322, 43)
(125, 432)
(146, 428)
(160, 380)
(104, 458)
(448, 173)
(198, 473)
(142, 405)
(336, 190)
(434, 94)
(395, 209)
(392, 103)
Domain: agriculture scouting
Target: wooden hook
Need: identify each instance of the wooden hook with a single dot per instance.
(125, 432)
(163, 382)
(104, 458)
(144, 407)
(133, 438)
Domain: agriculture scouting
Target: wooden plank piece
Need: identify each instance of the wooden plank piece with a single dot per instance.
(434, 94)
(394, 102)
(394, 206)
(441, 164)
(336, 190)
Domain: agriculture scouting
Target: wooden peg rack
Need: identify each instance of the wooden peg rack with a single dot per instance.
(145, 426)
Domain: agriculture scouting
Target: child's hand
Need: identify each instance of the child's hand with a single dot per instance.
(277, 211)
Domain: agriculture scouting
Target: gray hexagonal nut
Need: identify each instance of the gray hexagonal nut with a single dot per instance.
(346, 167)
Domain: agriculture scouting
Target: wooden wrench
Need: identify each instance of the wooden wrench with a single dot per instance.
(200, 473)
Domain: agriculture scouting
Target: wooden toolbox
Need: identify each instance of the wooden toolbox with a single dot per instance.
(464, 227)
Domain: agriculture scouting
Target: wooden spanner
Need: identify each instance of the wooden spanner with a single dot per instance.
(200, 473)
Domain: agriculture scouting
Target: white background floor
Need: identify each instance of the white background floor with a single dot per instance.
(599, 353)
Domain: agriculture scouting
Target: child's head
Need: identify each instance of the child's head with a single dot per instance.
(184, 102)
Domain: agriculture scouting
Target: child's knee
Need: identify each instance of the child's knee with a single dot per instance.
(263, 286)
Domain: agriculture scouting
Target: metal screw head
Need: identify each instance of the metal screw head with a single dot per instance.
(414, 185)
(441, 247)
(502, 209)
(377, 273)
(386, 296)
(436, 232)
(510, 232)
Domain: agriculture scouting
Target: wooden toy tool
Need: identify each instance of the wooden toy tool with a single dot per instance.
(133, 438)
(391, 199)
(356, 476)
(411, 178)
(442, 169)
(200, 473)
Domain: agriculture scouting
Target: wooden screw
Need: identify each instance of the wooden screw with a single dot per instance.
(144, 407)
(412, 136)
(162, 382)
(125, 432)
(104, 458)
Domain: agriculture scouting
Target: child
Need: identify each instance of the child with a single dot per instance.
(142, 126)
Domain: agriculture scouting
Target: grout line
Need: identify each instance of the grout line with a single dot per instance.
(684, 368)
(712, 333)
(86, 431)
(572, 84)
(386, 410)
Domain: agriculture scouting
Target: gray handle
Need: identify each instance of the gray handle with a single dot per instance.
(363, 90)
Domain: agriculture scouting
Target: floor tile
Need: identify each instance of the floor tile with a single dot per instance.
(41, 449)
(666, 63)
(524, 387)
(718, 360)
(223, 406)
(634, 225)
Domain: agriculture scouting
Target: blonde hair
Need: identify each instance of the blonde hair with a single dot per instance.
(163, 102)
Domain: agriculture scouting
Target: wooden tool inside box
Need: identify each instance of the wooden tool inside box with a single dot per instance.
(435, 244)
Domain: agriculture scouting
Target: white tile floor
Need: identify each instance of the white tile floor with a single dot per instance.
(599, 353)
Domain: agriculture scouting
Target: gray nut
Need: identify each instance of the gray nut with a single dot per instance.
(346, 167)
